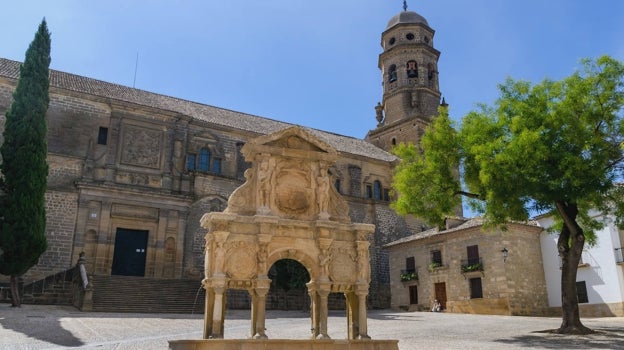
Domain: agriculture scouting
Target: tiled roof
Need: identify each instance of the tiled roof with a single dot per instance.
(210, 114)
(474, 222)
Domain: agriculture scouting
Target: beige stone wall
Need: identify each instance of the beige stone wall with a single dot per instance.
(516, 286)
(141, 169)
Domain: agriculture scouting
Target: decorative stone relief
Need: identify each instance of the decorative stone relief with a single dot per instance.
(342, 267)
(141, 146)
(241, 262)
(292, 194)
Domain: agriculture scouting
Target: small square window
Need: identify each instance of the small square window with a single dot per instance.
(102, 136)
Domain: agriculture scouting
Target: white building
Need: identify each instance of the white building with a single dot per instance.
(600, 276)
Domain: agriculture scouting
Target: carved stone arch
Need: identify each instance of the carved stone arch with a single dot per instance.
(301, 257)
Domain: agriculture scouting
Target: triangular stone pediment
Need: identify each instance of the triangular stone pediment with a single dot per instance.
(289, 178)
(292, 140)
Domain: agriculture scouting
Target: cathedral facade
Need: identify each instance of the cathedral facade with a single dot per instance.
(132, 172)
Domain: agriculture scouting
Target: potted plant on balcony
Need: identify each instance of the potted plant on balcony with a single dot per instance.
(409, 276)
(472, 267)
(434, 265)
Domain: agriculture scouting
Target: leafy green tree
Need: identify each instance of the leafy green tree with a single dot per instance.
(555, 147)
(24, 167)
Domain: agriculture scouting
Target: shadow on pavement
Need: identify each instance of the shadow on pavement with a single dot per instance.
(611, 338)
(38, 325)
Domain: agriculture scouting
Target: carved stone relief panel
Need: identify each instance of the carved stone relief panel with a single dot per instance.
(293, 192)
(342, 267)
(141, 146)
(241, 260)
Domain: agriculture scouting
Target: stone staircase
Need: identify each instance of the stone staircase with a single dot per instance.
(147, 295)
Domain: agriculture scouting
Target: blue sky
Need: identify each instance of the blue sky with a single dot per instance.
(312, 63)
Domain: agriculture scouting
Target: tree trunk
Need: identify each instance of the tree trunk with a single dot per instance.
(16, 301)
(570, 246)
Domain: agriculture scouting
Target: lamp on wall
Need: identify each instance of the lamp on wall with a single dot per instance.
(504, 251)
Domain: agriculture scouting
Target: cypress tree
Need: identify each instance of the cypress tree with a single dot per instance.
(24, 168)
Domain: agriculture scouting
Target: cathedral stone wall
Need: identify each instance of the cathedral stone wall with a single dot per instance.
(61, 209)
(136, 178)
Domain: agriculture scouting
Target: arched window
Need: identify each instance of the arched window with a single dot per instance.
(430, 71)
(392, 73)
(377, 190)
(204, 160)
(412, 69)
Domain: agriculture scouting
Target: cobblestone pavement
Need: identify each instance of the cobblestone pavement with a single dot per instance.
(56, 327)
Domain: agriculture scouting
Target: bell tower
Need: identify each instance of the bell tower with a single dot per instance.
(409, 71)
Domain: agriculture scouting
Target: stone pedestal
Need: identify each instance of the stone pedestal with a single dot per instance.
(282, 344)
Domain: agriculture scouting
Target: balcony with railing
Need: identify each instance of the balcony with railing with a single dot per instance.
(409, 275)
(471, 265)
(619, 258)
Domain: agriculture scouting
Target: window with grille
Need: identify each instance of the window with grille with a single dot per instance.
(377, 190)
(204, 160)
(410, 264)
(190, 161)
(216, 165)
(436, 257)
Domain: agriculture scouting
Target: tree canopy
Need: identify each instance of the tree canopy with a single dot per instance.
(556, 141)
(24, 167)
(553, 147)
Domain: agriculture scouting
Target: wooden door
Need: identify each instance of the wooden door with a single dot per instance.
(440, 293)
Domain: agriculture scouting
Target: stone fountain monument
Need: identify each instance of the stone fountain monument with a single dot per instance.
(287, 209)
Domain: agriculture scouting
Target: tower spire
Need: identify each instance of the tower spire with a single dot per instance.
(404, 5)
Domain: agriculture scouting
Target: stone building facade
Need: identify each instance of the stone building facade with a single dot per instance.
(470, 269)
(132, 172)
(135, 171)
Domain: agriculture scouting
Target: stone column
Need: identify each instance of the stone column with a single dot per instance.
(323, 294)
(208, 310)
(353, 319)
(261, 293)
(363, 328)
(104, 246)
(218, 313)
(254, 311)
(314, 310)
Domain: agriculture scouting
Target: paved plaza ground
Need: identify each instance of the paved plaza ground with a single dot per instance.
(57, 327)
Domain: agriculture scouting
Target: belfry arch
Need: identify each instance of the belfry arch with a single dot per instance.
(288, 208)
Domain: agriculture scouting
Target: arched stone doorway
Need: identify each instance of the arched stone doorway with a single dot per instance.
(287, 209)
(288, 290)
